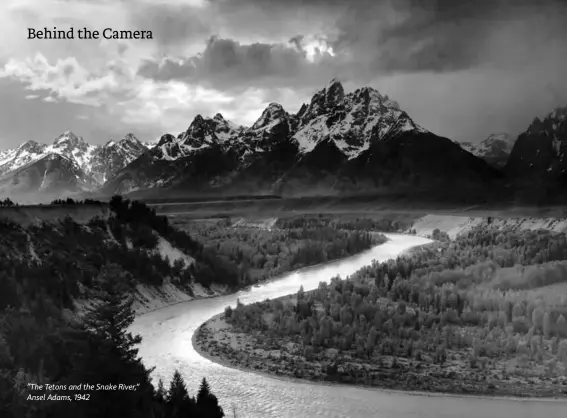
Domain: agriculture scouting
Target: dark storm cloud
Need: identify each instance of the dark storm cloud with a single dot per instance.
(226, 63)
(443, 35)
(373, 37)
(421, 35)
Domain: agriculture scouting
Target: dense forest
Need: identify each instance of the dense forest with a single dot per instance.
(259, 253)
(484, 312)
(386, 223)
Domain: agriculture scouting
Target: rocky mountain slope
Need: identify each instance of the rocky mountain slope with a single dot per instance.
(68, 165)
(495, 149)
(337, 143)
(538, 156)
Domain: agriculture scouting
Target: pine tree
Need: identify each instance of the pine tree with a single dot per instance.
(161, 393)
(204, 392)
(179, 403)
(208, 403)
(111, 316)
(112, 354)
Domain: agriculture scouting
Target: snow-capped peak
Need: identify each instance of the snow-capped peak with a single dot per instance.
(95, 161)
(495, 149)
(31, 146)
(271, 115)
(131, 138)
(351, 120)
(68, 139)
(129, 142)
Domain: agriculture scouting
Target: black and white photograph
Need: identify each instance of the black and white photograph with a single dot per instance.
(283, 209)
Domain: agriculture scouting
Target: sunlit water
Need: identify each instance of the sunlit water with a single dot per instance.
(167, 345)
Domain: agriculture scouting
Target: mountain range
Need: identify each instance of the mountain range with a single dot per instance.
(337, 144)
(66, 166)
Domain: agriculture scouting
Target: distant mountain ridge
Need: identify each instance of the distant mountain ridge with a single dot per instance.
(69, 163)
(495, 149)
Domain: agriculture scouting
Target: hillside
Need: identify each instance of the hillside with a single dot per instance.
(66, 285)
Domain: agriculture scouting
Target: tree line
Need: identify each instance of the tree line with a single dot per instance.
(70, 201)
(384, 223)
(7, 203)
(258, 254)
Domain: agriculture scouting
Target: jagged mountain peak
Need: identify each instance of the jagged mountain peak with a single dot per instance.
(219, 118)
(352, 120)
(334, 92)
(209, 124)
(165, 139)
(273, 113)
(371, 97)
(554, 124)
(198, 119)
(203, 131)
(31, 146)
(131, 137)
(68, 137)
(128, 140)
(559, 113)
(539, 153)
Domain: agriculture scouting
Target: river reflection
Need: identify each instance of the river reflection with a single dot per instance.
(167, 345)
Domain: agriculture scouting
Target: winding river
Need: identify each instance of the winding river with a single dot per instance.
(167, 345)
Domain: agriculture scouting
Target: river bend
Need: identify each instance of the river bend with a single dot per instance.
(167, 345)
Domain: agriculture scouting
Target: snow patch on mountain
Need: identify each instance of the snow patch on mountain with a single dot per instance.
(201, 134)
(495, 149)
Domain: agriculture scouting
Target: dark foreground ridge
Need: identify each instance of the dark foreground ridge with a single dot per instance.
(47, 340)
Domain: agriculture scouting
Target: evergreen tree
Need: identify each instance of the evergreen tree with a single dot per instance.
(113, 354)
(207, 403)
(179, 403)
(160, 401)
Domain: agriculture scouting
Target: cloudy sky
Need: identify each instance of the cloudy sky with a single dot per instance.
(461, 68)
